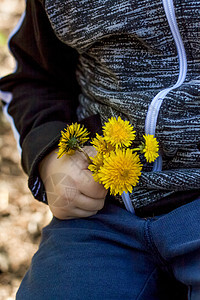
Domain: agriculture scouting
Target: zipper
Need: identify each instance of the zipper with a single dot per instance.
(154, 107)
(127, 202)
(153, 110)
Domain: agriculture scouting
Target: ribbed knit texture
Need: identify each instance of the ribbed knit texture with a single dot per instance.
(127, 55)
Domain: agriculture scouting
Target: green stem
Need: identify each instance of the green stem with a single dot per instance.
(136, 149)
(86, 155)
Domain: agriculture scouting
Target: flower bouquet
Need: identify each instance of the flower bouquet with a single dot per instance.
(117, 164)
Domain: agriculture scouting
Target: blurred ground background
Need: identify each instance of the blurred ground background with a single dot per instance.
(21, 217)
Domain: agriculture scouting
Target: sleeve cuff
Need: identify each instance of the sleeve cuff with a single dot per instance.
(37, 144)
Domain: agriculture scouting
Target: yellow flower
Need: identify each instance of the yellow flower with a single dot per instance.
(74, 136)
(150, 148)
(118, 132)
(120, 171)
(101, 145)
(97, 163)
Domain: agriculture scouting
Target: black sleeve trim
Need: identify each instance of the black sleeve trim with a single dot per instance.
(44, 90)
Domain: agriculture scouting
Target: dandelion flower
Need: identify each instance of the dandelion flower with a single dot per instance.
(101, 145)
(118, 132)
(120, 171)
(151, 148)
(97, 163)
(72, 138)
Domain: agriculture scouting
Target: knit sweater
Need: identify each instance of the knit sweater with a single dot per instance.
(125, 54)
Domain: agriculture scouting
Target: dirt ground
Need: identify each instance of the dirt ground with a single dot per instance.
(21, 216)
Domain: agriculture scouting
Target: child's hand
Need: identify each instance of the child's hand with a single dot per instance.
(70, 187)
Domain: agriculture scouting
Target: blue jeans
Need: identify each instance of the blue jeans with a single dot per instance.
(117, 255)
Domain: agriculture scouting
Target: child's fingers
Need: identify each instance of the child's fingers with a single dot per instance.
(87, 186)
(80, 213)
(67, 212)
(89, 204)
(70, 205)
